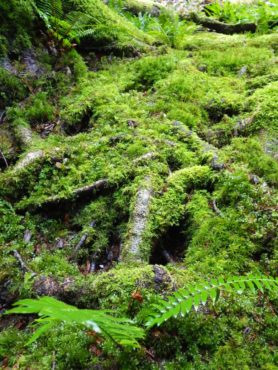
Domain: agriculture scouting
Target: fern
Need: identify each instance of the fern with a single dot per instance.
(59, 18)
(53, 312)
(182, 301)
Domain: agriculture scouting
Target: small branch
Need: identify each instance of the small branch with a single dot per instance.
(23, 266)
(216, 209)
(81, 241)
(4, 159)
(53, 366)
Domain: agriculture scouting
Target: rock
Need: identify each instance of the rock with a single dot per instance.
(162, 278)
(31, 64)
(242, 71)
(202, 68)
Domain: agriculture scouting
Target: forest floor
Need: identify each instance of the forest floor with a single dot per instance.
(130, 169)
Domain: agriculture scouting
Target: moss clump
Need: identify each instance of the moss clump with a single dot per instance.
(232, 60)
(151, 69)
(263, 103)
(12, 88)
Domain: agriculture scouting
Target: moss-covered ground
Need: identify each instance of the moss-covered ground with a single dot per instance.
(194, 129)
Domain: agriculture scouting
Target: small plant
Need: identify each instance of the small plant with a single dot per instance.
(52, 312)
(182, 301)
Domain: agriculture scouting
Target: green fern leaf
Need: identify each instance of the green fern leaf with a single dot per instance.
(182, 301)
(52, 311)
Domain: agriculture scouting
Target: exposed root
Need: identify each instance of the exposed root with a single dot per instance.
(4, 159)
(24, 135)
(132, 250)
(207, 150)
(29, 159)
(84, 191)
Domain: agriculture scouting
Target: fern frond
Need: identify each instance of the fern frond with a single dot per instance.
(183, 300)
(51, 311)
(51, 8)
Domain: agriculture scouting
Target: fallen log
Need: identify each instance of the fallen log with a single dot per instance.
(220, 27)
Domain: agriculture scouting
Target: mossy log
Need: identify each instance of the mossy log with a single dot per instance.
(220, 27)
(143, 6)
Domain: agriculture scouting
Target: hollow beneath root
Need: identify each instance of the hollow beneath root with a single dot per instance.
(170, 247)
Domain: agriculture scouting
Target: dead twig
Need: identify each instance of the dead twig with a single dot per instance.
(23, 265)
(4, 159)
(81, 241)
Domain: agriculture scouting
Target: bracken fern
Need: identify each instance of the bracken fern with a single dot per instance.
(182, 301)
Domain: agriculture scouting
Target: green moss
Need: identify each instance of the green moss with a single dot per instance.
(39, 110)
(263, 104)
(121, 114)
(151, 69)
(257, 61)
(11, 87)
(251, 152)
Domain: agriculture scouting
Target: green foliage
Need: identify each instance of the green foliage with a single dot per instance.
(66, 26)
(168, 28)
(53, 312)
(11, 88)
(183, 300)
(262, 13)
(10, 223)
(16, 19)
(40, 110)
